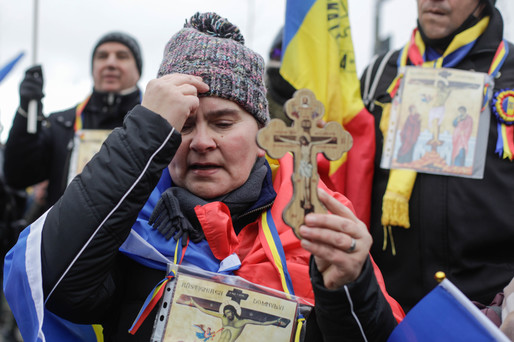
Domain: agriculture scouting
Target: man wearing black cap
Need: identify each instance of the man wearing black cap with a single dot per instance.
(458, 225)
(50, 154)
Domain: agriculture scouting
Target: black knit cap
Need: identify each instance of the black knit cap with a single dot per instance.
(126, 40)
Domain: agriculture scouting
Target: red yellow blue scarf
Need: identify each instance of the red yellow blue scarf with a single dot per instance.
(274, 247)
(158, 291)
(78, 114)
(503, 109)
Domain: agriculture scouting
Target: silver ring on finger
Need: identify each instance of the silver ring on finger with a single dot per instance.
(352, 246)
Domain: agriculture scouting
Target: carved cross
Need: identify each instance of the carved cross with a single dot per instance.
(305, 140)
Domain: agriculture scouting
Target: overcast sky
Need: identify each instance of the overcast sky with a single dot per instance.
(68, 29)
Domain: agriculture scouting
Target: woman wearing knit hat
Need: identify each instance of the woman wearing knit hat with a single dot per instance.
(184, 181)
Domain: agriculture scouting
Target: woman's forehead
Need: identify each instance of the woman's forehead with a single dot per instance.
(213, 107)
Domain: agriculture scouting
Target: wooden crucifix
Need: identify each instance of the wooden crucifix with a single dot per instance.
(305, 140)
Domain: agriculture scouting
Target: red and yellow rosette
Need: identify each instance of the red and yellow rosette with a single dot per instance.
(503, 108)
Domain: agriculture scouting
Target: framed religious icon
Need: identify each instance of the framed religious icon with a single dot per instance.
(86, 144)
(439, 122)
(204, 306)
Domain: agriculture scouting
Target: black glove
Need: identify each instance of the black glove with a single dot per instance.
(31, 88)
(168, 219)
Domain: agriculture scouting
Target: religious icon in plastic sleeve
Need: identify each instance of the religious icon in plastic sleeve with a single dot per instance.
(439, 122)
(204, 306)
(86, 144)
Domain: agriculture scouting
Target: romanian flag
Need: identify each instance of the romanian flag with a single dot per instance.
(446, 314)
(318, 55)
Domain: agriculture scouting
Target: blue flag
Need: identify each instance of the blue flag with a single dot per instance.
(8, 67)
(24, 292)
(446, 314)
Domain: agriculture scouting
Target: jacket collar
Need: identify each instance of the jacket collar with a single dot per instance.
(492, 36)
(103, 102)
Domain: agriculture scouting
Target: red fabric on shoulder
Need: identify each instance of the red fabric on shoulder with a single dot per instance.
(217, 227)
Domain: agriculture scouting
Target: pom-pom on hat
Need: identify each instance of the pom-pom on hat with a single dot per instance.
(211, 47)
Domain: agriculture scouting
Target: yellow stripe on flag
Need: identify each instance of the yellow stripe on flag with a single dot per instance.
(320, 57)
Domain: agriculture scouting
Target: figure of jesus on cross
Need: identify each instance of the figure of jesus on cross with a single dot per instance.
(305, 140)
(306, 166)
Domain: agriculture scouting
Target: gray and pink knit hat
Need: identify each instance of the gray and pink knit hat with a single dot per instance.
(213, 48)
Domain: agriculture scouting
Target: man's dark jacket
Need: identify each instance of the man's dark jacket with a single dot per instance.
(33, 158)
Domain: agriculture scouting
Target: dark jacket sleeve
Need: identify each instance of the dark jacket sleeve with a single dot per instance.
(85, 228)
(27, 155)
(353, 311)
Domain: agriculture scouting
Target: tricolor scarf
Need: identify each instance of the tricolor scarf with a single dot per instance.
(395, 204)
(78, 114)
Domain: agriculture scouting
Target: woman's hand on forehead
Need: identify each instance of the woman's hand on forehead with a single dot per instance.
(174, 97)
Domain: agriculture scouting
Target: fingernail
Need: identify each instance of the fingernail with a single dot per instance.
(305, 243)
(310, 219)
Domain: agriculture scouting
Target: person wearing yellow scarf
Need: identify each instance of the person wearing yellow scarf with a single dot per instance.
(423, 223)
